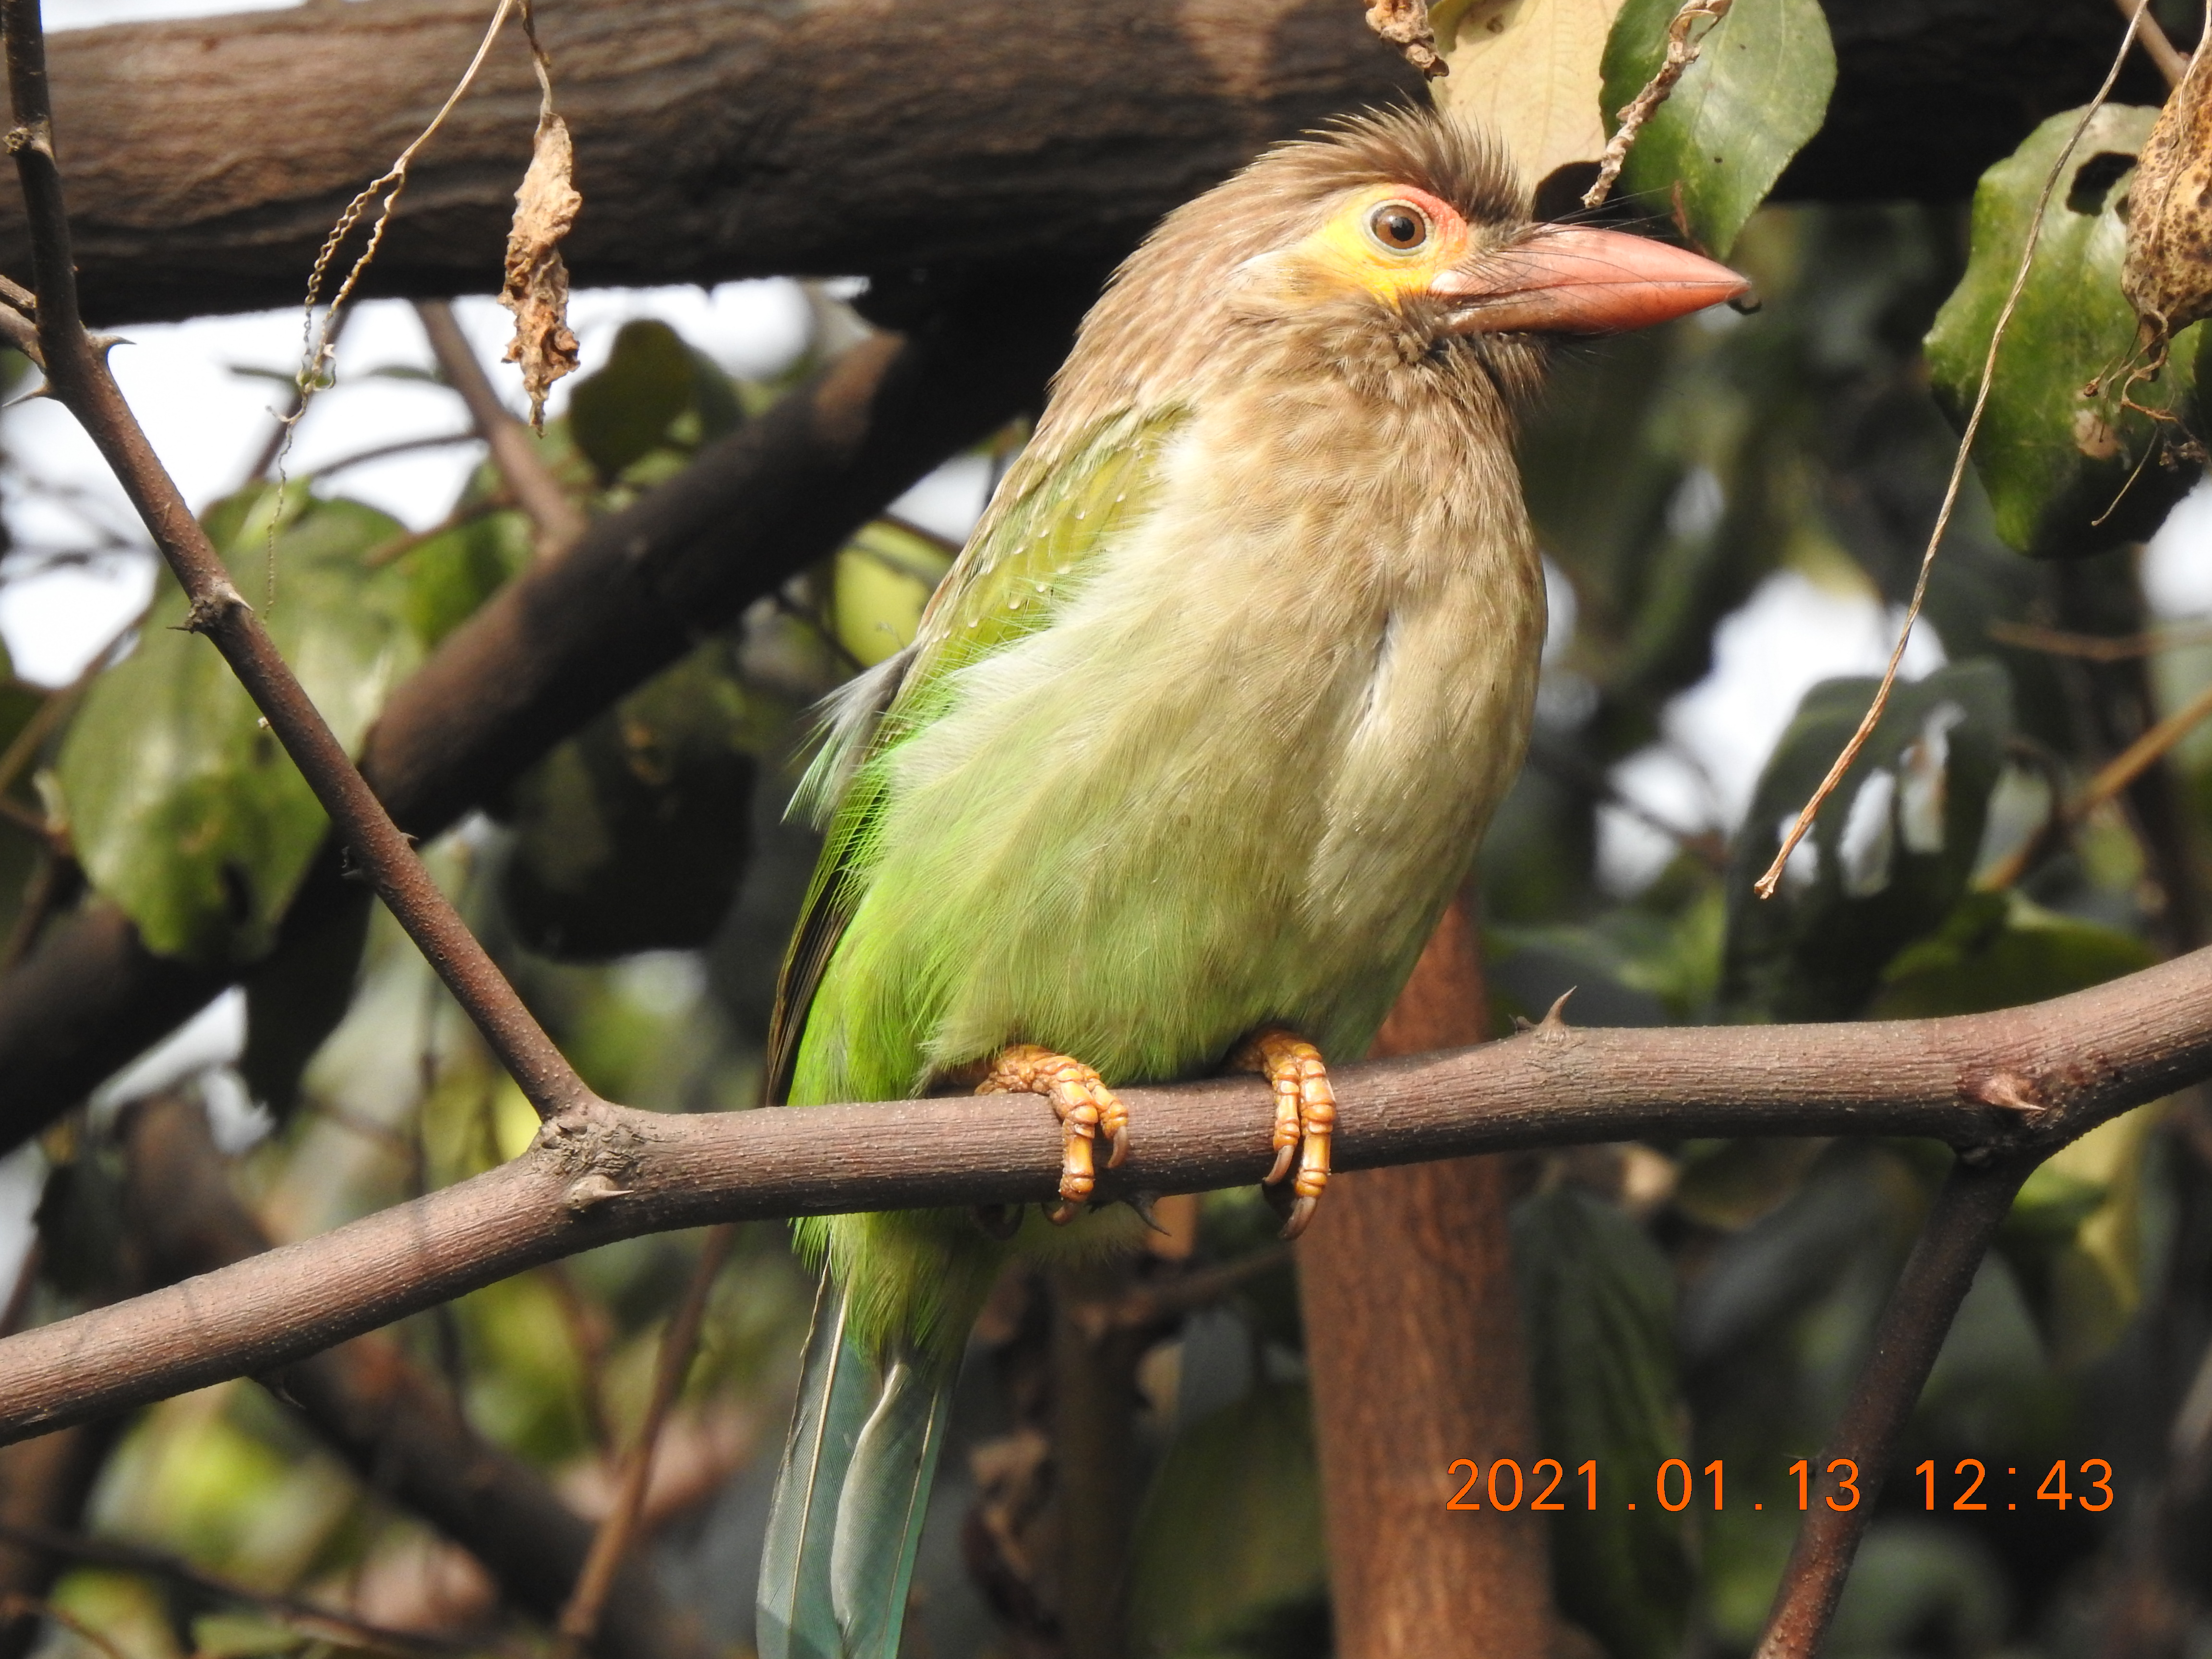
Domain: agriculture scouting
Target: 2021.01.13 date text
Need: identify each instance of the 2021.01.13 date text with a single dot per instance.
(1505, 1486)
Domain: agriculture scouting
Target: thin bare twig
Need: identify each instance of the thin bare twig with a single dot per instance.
(473, 513)
(303, 1617)
(77, 370)
(25, 748)
(579, 1619)
(1682, 53)
(2172, 63)
(2098, 647)
(1972, 1205)
(40, 894)
(1766, 884)
(397, 446)
(2114, 775)
(17, 1606)
(559, 520)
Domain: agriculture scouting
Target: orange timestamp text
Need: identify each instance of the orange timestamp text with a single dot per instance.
(1503, 1485)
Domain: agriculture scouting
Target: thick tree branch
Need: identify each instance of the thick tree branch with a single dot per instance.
(2019, 1083)
(722, 138)
(77, 377)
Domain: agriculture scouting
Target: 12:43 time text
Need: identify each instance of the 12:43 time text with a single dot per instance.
(1502, 1485)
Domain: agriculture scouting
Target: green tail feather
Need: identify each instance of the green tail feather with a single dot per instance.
(850, 1499)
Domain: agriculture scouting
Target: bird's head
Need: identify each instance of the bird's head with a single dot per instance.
(1390, 249)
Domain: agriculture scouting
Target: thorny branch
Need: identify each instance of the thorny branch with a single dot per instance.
(1766, 884)
(77, 376)
(2020, 1083)
(1682, 53)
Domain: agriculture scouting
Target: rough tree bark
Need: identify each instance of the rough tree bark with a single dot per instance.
(208, 158)
(1413, 1344)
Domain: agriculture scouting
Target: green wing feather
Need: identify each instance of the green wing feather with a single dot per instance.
(1032, 546)
(871, 1416)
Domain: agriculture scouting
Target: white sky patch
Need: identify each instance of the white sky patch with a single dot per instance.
(2176, 570)
(61, 15)
(209, 422)
(1715, 737)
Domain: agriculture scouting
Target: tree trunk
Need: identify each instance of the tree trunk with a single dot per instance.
(1414, 1339)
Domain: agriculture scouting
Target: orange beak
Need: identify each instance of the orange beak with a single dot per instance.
(1568, 279)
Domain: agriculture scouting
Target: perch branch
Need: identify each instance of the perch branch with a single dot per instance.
(78, 374)
(2020, 1082)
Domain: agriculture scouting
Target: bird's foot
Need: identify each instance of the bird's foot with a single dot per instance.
(1086, 1108)
(1305, 1116)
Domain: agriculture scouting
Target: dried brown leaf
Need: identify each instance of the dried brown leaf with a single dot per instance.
(537, 289)
(1405, 25)
(1529, 70)
(2168, 275)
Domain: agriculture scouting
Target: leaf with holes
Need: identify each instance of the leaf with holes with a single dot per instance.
(1890, 855)
(2067, 474)
(1756, 94)
(184, 808)
(1600, 1301)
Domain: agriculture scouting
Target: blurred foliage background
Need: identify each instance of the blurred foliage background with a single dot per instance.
(1695, 1300)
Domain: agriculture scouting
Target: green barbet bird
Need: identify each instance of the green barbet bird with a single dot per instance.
(1195, 743)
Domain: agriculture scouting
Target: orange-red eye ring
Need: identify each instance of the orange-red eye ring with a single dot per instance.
(1398, 226)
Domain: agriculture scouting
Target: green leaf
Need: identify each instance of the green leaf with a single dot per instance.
(184, 809)
(1231, 1528)
(449, 576)
(1757, 92)
(2000, 951)
(652, 382)
(632, 834)
(1890, 855)
(881, 580)
(2066, 474)
(1599, 1298)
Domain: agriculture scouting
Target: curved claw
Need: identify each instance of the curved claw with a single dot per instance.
(1302, 1215)
(1286, 1155)
(1119, 1145)
(1064, 1212)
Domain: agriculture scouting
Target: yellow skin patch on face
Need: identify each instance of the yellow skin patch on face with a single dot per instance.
(1348, 253)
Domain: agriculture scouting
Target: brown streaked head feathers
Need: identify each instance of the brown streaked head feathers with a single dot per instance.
(1214, 292)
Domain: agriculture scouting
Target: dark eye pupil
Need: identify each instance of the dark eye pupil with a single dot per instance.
(1401, 229)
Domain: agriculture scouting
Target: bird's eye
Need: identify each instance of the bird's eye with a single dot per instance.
(1398, 226)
